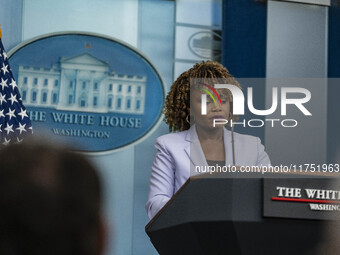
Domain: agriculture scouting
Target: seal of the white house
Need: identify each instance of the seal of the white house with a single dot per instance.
(98, 93)
(205, 44)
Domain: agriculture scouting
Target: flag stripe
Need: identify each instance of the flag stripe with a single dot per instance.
(14, 120)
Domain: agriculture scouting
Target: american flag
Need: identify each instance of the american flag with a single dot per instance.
(14, 120)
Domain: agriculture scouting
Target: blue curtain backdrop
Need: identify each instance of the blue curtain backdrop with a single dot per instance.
(244, 50)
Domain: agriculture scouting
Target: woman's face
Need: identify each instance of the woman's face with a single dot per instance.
(214, 111)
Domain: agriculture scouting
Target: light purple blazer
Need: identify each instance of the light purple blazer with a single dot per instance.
(179, 153)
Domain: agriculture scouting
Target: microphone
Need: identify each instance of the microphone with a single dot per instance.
(232, 144)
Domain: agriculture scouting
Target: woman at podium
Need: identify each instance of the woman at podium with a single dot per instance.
(194, 111)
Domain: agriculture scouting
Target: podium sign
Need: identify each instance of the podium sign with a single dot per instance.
(301, 198)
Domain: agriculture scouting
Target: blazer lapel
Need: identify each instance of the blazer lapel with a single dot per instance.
(228, 147)
(194, 150)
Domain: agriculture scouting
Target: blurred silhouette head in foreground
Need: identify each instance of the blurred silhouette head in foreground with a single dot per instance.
(50, 202)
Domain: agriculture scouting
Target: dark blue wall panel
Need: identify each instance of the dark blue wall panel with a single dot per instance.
(244, 49)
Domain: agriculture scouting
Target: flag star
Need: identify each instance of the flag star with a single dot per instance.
(11, 114)
(13, 84)
(21, 128)
(13, 98)
(0, 128)
(2, 113)
(23, 114)
(6, 142)
(2, 98)
(9, 128)
(31, 129)
(4, 54)
(4, 68)
(3, 83)
(19, 141)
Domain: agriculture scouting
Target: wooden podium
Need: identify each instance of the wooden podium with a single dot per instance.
(237, 214)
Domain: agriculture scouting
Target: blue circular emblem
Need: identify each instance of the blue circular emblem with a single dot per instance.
(97, 92)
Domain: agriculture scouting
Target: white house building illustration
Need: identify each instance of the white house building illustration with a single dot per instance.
(82, 83)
